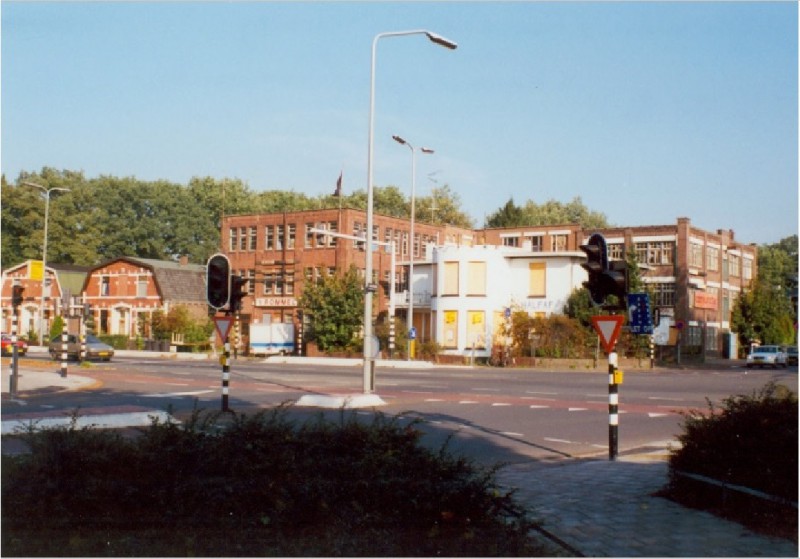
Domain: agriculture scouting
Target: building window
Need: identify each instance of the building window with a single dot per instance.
(476, 278)
(510, 241)
(289, 285)
(655, 253)
(696, 255)
(417, 244)
(712, 258)
(279, 232)
(253, 237)
(450, 330)
(663, 294)
(141, 286)
(234, 238)
(292, 233)
(359, 230)
(450, 279)
(616, 251)
(269, 238)
(251, 283)
(558, 242)
(733, 265)
(747, 269)
(476, 329)
(269, 282)
(537, 285)
(242, 238)
(309, 236)
(105, 286)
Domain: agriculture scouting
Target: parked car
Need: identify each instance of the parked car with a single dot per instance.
(764, 355)
(22, 347)
(95, 349)
(791, 355)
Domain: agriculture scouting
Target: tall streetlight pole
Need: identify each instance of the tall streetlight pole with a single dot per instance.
(47, 192)
(369, 288)
(400, 140)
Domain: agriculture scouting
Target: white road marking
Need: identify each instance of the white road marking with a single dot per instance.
(434, 400)
(498, 404)
(536, 392)
(468, 402)
(174, 394)
(551, 440)
(538, 398)
(511, 434)
(666, 399)
(539, 407)
(657, 415)
(577, 409)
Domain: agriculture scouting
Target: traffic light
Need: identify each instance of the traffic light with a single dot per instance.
(616, 280)
(596, 265)
(218, 281)
(16, 296)
(238, 292)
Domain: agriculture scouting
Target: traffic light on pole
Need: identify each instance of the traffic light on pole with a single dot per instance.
(218, 281)
(596, 266)
(16, 296)
(238, 292)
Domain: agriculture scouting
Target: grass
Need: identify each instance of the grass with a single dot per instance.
(261, 485)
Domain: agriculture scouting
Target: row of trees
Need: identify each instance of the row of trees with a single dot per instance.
(106, 217)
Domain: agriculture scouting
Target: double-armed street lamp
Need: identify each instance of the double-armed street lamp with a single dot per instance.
(368, 350)
(47, 192)
(400, 140)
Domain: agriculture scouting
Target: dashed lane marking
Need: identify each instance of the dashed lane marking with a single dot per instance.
(176, 394)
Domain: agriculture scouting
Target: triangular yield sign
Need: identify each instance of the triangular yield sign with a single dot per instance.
(608, 328)
(223, 325)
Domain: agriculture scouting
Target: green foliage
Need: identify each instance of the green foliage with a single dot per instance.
(56, 327)
(762, 313)
(179, 321)
(554, 336)
(261, 485)
(116, 341)
(334, 308)
(551, 212)
(750, 441)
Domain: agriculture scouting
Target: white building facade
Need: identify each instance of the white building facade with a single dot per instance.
(473, 289)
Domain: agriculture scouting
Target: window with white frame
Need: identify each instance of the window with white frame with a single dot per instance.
(695, 255)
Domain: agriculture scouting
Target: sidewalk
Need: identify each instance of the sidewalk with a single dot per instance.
(593, 508)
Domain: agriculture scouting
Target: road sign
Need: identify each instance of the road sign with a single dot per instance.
(608, 328)
(412, 333)
(36, 270)
(639, 319)
(223, 325)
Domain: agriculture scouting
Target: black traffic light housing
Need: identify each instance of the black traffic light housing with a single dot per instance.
(238, 292)
(218, 281)
(596, 265)
(605, 278)
(16, 296)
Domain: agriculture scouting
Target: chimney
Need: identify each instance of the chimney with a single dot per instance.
(183, 260)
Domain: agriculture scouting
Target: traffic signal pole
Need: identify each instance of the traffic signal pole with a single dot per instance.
(613, 407)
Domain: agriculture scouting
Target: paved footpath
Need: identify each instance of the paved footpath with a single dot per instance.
(599, 508)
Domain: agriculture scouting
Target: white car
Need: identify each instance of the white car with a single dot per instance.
(772, 355)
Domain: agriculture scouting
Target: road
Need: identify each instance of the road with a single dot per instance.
(491, 414)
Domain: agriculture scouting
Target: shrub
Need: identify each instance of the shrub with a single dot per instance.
(750, 441)
(254, 486)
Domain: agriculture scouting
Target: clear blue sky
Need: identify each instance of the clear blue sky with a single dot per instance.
(647, 111)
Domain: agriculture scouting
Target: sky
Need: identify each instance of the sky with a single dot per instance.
(646, 111)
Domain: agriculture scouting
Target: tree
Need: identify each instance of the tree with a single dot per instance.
(551, 212)
(509, 215)
(763, 313)
(334, 307)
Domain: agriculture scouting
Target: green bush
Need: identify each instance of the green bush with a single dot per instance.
(749, 441)
(257, 485)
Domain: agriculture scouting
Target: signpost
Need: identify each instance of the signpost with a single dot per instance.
(608, 328)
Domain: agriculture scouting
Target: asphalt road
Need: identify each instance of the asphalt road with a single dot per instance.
(490, 414)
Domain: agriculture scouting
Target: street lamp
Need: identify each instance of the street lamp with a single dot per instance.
(368, 359)
(47, 192)
(401, 141)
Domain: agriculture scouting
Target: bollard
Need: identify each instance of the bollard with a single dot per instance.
(613, 407)
(64, 341)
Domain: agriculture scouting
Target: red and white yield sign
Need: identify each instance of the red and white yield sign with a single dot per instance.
(223, 325)
(608, 328)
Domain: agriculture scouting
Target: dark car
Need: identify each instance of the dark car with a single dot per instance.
(95, 349)
(791, 355)
(22, 347)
